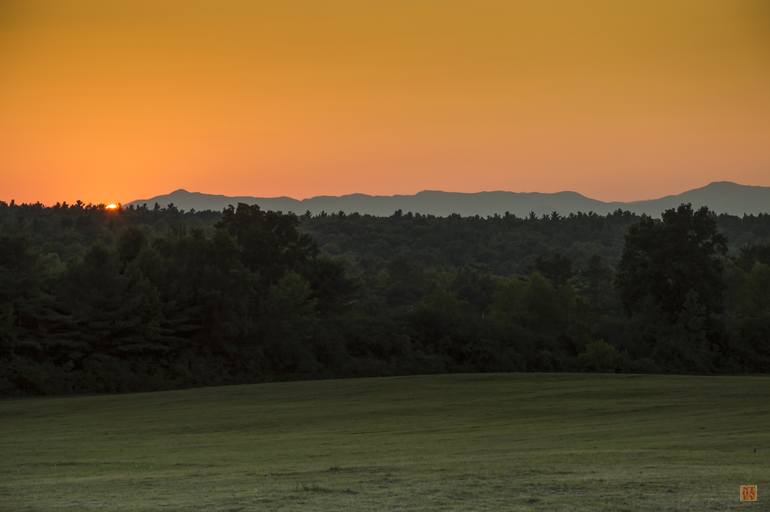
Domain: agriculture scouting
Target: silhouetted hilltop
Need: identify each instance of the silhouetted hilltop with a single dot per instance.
(722, 197)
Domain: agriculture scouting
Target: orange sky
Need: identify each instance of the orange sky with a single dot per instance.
(115, 100)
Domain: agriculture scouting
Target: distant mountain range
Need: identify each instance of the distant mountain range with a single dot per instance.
(721, 197)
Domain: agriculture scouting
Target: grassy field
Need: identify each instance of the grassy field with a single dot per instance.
(462, 442)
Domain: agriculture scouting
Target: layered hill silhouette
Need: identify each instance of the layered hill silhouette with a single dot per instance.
(721, 197)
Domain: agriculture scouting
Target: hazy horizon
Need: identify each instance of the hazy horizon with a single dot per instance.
(479, 191)
(244, 194)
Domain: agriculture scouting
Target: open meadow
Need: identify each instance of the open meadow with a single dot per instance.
(450, 442)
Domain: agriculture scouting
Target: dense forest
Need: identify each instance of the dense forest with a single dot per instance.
(94, 300)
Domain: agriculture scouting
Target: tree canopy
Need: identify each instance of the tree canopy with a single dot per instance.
(152, 298)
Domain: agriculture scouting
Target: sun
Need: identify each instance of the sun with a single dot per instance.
(112, 206)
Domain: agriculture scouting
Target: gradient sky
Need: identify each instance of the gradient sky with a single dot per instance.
(115, 100)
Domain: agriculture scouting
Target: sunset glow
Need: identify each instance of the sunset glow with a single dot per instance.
(618, 100)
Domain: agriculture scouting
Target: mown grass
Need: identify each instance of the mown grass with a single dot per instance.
(450, 442)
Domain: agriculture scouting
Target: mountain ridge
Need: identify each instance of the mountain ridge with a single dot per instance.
(720, 196)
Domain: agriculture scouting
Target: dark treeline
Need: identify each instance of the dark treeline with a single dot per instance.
(94, 300)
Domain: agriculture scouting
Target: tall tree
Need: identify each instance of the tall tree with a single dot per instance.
(670, 275)
(673, 264)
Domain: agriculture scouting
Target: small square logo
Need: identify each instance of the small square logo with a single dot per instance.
(748, 493)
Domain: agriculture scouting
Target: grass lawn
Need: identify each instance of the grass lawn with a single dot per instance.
(450, 442)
